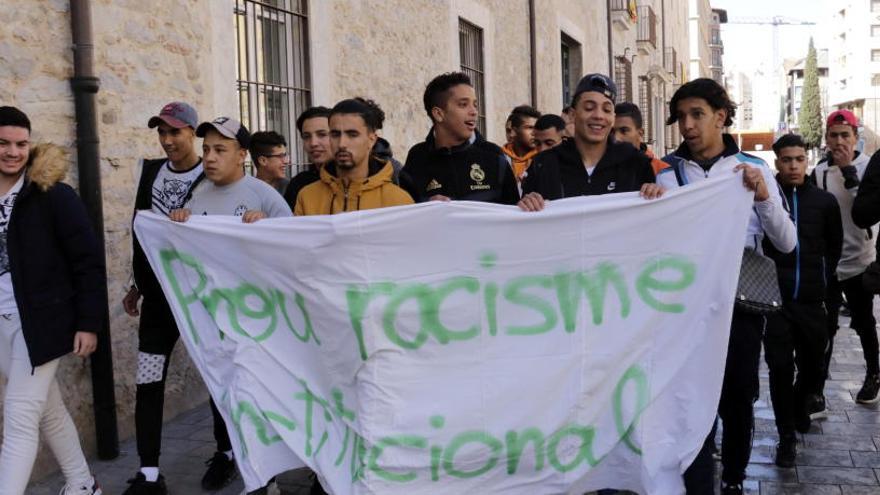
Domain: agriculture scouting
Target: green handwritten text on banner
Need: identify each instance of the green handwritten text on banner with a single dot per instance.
(462, 347)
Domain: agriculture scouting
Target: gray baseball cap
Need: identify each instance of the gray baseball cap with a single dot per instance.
(228, 127)
(177, 114)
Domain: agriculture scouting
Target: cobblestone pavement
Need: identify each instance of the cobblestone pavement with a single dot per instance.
(839, 456)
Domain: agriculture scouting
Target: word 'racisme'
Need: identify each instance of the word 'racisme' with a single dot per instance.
(564, 450)
(663, 274)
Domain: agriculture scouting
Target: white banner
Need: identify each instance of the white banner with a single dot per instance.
(464, 347)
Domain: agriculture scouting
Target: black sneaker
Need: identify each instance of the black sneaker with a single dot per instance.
(801, 420)
(140, 486)
(868, 393)
(786, 451)
(221, 470)
(735, 489)
(816, 407)
(265, 490)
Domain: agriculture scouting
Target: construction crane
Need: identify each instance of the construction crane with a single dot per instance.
(774, 21)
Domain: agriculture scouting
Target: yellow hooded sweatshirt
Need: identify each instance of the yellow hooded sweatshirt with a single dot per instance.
(329, 195)
(520, 163)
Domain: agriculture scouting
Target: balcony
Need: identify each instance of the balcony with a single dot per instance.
(623, 14)
(646, 37)
(670, 60)
(715, 37)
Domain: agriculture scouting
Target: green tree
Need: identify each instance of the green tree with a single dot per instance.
(810, 117)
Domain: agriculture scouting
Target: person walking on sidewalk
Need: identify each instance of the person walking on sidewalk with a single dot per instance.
(227, 190)
(52, 290)
(702, 109)
(840, 173)
(798, 335)
(164, 186)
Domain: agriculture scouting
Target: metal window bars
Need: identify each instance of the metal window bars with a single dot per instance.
(470, 40)
(273, 81)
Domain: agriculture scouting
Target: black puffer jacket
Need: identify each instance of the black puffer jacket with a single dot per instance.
(804, 273)
(58, 274)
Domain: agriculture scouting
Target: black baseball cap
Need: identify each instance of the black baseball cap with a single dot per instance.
(599, 83)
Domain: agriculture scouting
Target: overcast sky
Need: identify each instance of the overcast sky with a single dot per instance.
(747, 46)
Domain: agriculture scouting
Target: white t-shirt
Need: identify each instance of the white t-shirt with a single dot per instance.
(7, 295)
(247, 193)
(171, 187)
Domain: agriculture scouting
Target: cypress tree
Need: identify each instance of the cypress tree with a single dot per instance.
(810, 116)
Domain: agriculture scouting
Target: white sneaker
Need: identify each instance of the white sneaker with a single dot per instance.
(94, 489)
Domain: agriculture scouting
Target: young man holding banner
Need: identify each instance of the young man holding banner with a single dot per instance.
(455, 162)
(227, 190)
(591, 163)
(702, 110)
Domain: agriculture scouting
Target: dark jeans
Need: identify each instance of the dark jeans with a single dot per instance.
(739, 391)
(797, 335)
(157, 335)
(861, 307)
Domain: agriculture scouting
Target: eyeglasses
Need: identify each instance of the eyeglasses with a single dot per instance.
(278, 155)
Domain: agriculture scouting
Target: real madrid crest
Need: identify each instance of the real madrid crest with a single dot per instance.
(477, 173)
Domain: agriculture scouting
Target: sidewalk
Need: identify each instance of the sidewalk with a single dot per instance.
(840, 455)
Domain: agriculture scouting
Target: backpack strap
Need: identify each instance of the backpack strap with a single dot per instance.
(677, 168)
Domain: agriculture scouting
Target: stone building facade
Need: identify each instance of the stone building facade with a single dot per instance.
(266, 61)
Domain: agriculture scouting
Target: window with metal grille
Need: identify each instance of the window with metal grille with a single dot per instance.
(470, 42)
(571, 67)
(273, 68)
(646, 98)
(623, 79)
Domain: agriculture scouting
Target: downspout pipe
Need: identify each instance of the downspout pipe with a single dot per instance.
(85, 85)
(610, 47)
(533, 55)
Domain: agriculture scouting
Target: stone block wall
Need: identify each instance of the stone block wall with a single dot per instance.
(146, 54)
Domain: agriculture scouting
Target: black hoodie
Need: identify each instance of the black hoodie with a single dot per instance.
(475, 171)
